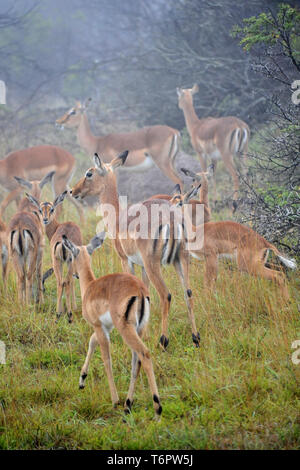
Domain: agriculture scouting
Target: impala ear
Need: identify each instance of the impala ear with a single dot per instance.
(60, 199)
(99, 165)
(33, 201)
(70, 246)
(191, 174)
(179, 92)
(26, 184)
(191, 193)
(195, 89)
(120, 160)
(95, 242)
(176, 190)
(46, 179)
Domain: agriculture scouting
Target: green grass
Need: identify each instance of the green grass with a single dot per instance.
(239, 390)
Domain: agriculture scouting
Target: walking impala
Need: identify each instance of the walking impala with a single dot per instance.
(148, 146)
(117, 300)
(151, 254)
(55, 232)
(234, 240)
(216, 138)
(33, 164)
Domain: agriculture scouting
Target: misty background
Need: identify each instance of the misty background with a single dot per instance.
(129, 57)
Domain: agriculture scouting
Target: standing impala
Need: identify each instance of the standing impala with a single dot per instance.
(215, 138)
(33, 164)
(133, 249)
(148, 146)
(117, 300)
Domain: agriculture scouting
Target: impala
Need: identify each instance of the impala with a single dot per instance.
(26, 240)
(33, 164)
(196, 216)
(236, 241)
(216, 138)
(148, 146)
(132, 248)
(117, 300)
(59, 255)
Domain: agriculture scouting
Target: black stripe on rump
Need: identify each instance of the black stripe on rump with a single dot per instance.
(129, 305)
(142, 310)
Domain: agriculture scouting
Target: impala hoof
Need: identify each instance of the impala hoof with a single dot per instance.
(70, 317)
(196, 339)
(164, 341)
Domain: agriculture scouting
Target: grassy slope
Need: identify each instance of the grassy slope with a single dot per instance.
(239, 390)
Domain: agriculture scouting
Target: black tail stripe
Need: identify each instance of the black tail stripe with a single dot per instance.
(20, 243)
(12, 236)
(129, 305)
(156, 239)
(170, 257)
(231, 138)
(29, 233)
(64, 252)
(142, 310)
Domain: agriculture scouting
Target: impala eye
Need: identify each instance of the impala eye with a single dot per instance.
(89, 174)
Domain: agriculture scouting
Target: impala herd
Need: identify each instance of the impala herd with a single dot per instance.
(122, 300)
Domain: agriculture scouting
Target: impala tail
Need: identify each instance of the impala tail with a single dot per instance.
(288, 262)
(238, 140)
(20, 241)
(168, 240)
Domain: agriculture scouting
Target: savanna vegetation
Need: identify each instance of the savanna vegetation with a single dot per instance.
(240, 389)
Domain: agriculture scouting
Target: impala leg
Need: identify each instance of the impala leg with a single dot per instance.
(145, 278)
(182, 270)
(140, 357)
(235, 178)
(155, 277)
(215, 180)
(39, 275)
(31, 271)
(211, 270)
(84, 371)
(21, 279)
(4, 259)
(57, 267)
(68, 288)
(103, 340)
(74, 304)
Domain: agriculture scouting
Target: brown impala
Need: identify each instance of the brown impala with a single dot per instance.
(216, 138)
(33, 164)
(148, 146)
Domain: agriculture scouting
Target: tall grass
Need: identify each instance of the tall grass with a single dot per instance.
(239, 390)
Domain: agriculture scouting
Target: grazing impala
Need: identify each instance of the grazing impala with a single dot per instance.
(196, 216)
(236, 241)
(117, 300)
(216, 138)
(33, 164)
(149, 251)
(148, 146)
(59, 255)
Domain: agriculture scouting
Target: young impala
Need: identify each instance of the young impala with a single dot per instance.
(215, 138)
(161, 244)
(236, 241)
(117, 300)
(196, 216)
(59, 255)
(26, 240)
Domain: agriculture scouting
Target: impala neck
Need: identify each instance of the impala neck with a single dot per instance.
(111, 197)
(86, 275)
(190, 115)
(86, 138)
(51, 228)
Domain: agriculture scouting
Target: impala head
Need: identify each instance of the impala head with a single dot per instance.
(180, 199)
(185, 95)
(81, 254)
(35, 187)
(72, 117)
(197, 177)
(47, 209)
(99, 178)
